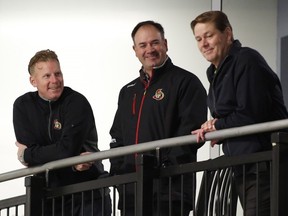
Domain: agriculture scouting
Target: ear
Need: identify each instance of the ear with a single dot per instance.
(134, 48)
(33, 81)
(229, 34)
(166, 44)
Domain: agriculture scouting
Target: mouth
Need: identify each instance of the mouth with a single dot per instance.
(152, 57)
(207, 51)
(54, 88)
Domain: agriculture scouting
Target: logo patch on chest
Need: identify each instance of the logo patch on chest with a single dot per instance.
(57, 125)
(159, 95)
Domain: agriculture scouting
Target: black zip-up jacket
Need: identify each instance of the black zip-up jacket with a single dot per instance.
(244, 90)
(57, 130)
(169, 104)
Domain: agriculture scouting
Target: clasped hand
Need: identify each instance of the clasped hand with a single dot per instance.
(84, 166)
(208, 126)
(78, 167)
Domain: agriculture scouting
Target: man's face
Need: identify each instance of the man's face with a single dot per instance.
(150, 48)
(48, 79)
(213, 44)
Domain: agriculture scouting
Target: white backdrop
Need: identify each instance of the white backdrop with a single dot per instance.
(93, 43)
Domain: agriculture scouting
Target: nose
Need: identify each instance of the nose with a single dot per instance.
(204, 42)
(150, 48)
(53, 78)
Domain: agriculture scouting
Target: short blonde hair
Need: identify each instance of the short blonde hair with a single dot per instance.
(41, 56)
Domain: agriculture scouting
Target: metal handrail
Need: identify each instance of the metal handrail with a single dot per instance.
(147, 146)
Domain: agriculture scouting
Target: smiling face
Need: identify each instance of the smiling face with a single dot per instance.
(150, 47)
(48, 79)
(212, 43)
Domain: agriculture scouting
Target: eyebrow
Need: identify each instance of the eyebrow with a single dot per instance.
(153, 41)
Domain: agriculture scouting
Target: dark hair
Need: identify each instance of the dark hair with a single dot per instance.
(158, 26)
(219, 18)
(41, 56)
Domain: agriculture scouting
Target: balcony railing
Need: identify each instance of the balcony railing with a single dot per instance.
(214, 196)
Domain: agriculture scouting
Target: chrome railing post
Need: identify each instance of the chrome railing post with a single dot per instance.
(145, 171)
(279, 187)
(34, 195)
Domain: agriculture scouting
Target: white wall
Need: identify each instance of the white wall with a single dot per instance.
(255, 24)
(92, 40)
(282, 26)
(282, 33)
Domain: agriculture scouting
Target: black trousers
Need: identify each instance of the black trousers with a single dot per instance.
(164, 210)
(80, 207)
(255, 197)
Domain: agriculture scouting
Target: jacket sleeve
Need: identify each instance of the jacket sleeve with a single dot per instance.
(23, 128)
(192, 106)
(116, 140)
(77, 122)
(254, 82)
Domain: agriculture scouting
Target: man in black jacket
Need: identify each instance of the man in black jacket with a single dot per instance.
(243, 91)
(56, 122)
(165, 101)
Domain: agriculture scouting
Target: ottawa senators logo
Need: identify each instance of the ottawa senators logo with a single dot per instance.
(57, 125)
(159, 95)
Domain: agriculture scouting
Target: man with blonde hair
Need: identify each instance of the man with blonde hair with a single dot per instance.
(56, 122)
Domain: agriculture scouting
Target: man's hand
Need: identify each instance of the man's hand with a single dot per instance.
(200, 133)
(83, 166)
(20, 152)
(208, 126)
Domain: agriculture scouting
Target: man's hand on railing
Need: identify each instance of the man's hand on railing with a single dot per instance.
(83, 166)
(20, 152)
(208, 126)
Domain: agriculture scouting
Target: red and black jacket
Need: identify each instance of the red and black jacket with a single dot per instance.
(169, 104)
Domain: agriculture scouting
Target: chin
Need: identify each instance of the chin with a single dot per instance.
(54, 97)
(209, 59)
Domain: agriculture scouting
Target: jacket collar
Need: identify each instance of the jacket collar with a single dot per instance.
(236, 45)
(66, 91)
(157, 71)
